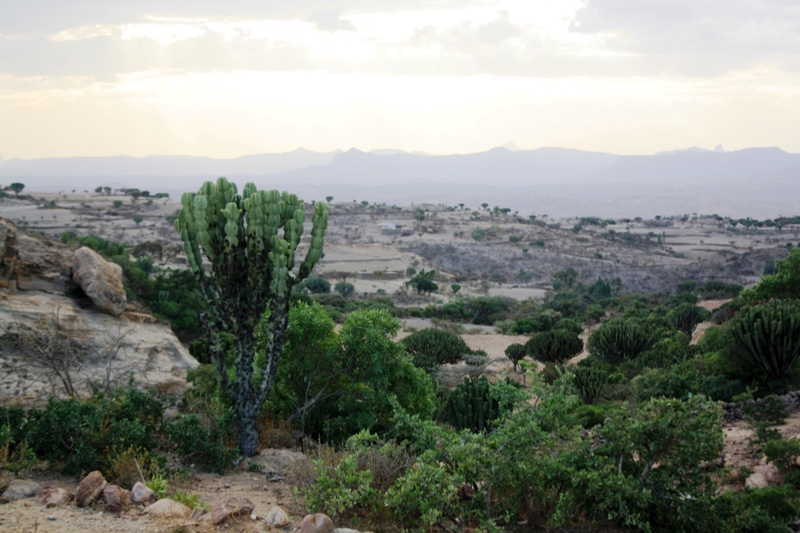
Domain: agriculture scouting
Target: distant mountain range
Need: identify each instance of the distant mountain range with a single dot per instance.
(758, 182)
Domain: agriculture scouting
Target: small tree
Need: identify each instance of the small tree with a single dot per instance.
(455, 287)
(478, 234)
(345, 289)
(329, 199)
(516, 353)
(138, 220)
(117, 203)
(250, 240)
(17, 188)
(423, 282)
(555, 346)
(317, 285)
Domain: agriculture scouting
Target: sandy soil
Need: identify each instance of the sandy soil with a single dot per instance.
(29, 516)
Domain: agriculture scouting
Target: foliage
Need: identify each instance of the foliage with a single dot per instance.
(423, 282)
(619, 340)
(770, 336)
(484, 308)
(250, 241)
(16, 187)
(335, 385)
(516, 352)
(686, 316)
(555, 346)
(479, 234)
(430, 348)
(316, 285)
(158, 485)
(203, 442)
(345, 289)
(784, 284)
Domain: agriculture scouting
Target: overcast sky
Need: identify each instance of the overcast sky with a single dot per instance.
(233, 77)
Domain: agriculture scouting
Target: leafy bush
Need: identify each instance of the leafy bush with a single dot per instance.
(344, 288)
(209, 445)
(316, 285)
(590, 382)
(431, 347)
(686, 316)
(472, 406)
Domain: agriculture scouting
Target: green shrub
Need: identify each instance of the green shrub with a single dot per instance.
(204, 444)
(783, 453)
(619, 340)
(472, 406)
(345, 289)
(554, 346)
(686, 316)
(431, 347)
(316, 285)
(770, 409)
(590, 382)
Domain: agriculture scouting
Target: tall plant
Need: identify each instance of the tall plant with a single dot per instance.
(250, 241)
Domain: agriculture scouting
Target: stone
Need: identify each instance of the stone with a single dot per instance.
(316, 523)
(231, 507)
(274, 461)
(142, 494)
(100, 280)
(763, 475)
(344, 530)
(21, 488)
(167, 508)
(54, 497)
(276, 517)
(116, 498)
(90, 489)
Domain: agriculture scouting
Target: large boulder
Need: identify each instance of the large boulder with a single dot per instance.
(167, 508)
(90, 488)
(231, 507)
(316, 523)
(100, 280)
(21, 488)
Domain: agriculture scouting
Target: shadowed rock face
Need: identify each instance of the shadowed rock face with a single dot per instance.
(38, 305)
(100, 280)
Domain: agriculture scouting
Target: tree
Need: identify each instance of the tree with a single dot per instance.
(317, 285)
(485, 206)
(483, 307)
(329, 199)
(250, 241)
(516, 353)
(345, 289)
(555, 346)
(117, 203)
(785, 283)
(99, 190)
(565, 278)
(17, 188)
(423, 282)
(107, 190)
(137, 219)
(770, 336)
(455, 287)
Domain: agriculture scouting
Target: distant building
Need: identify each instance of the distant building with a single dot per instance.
(390, 228)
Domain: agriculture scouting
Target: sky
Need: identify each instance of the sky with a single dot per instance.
(224, 79)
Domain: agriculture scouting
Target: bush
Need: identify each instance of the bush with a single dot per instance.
(686, 316)
(316, 285)
(345, 289)
(430, 348)
(210, 445)
(619, 340)
(554, 346)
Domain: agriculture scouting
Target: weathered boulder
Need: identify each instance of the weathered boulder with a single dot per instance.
(116, 498)
(21, 488)
(167, 508)
(316, 523)
(100, 280)
(276, 517)
(763, 475)
(273, 461)
(142, 494)
(54, 497)
(231, 507)
(89, 489)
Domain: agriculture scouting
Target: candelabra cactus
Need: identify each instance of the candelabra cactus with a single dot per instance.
(554, 346)
(250, 241)
(590, 384)
(620, 340)
(472, 406)
(770, 336)
(516, 352)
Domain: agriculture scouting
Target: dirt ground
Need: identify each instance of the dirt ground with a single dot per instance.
(28, 516)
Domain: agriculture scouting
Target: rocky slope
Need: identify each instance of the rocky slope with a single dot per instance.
(55, 340)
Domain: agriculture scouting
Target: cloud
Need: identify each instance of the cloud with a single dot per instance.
(330, 20)
(698, 37)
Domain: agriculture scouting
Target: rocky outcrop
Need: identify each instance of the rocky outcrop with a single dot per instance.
(100, 280)
(39, 302)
